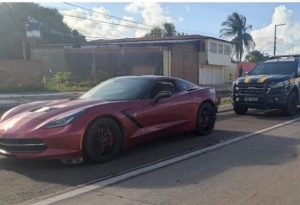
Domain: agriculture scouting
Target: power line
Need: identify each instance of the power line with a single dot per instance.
(100, 21)
(111, 16)
(64, 34)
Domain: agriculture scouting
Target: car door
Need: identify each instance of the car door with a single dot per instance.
(167, 115)
(298, 79)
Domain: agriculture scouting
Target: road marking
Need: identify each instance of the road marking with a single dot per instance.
(152, 166)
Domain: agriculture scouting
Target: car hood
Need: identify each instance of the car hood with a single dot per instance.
(33, 113)
(260, 79)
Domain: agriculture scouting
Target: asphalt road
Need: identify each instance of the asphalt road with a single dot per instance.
(260, 170)
(26, 180)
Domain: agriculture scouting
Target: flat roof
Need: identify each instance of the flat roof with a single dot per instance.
(167, 39)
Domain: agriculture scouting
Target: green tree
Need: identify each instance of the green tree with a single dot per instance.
(12, 27)
(235, 27)
(155, 32)
(169, 29)
(182, 34)
(255, 57)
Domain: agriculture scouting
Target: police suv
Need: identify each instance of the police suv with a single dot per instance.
(273, 84)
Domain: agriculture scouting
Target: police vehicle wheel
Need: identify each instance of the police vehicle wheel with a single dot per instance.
(240, 109)
(291, 105)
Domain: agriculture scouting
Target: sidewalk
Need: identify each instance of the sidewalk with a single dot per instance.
(38, 95)
(8, 101)
(225, 108)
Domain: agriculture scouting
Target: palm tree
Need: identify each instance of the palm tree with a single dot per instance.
(169, 29)
(235, 26)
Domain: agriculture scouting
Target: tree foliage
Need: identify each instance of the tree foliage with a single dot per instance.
(167, 30)
(155, 32)
(255, 57)
(235, 27)
(12, 27)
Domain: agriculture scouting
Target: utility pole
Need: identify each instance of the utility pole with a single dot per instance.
(275, 38)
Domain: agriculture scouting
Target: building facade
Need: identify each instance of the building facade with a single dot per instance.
(199, 59)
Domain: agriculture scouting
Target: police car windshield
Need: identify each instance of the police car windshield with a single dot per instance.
(284, 67)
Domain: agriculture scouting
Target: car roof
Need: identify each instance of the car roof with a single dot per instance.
(284, 58)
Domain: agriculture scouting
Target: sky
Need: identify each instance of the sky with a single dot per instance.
(191, 18)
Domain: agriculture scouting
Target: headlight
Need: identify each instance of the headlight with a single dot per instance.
(282, 84)
(234, 84)
(6, 113)
(65, 120)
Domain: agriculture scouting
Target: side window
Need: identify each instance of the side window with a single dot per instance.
(213, 47)
(220, 46)
(184, 85)
(162, 86)
(226, 50)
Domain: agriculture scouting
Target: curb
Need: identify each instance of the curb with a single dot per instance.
(225, 108)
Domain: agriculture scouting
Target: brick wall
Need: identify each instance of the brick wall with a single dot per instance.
(20, 75)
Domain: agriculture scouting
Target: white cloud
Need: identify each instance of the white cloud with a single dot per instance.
(180, 19)
(91, 24)
(288, 38)
(151, 13)
(187, 8)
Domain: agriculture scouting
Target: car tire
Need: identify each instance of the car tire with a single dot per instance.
(206, 119)
(290, 108)
(240, 109)
(103, 141)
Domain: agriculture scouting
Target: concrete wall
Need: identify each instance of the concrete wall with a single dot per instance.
(115, 61)
(19, 74)
(230, 72)
(184, 62)
(51, 58)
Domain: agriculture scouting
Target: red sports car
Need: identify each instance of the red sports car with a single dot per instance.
(112, 116)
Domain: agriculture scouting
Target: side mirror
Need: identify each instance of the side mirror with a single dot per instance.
(162, 94)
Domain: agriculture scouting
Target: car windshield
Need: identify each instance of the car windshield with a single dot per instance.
(274, 68)
(118, 89)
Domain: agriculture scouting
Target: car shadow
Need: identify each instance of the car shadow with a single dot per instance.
(52, 171)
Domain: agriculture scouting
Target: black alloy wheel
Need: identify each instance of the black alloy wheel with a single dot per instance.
(240, 109)
(206, 119)
(103, 140)
(291, 105)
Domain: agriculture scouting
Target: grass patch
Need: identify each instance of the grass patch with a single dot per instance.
(225, 101)
(64, 82)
